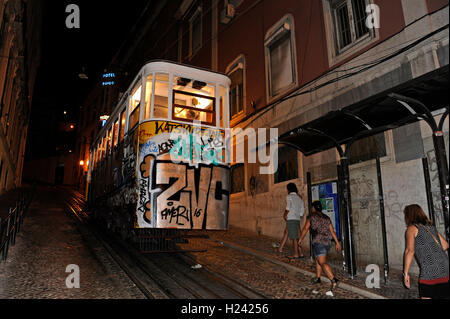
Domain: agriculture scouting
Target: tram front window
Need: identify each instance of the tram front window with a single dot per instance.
(194, 101)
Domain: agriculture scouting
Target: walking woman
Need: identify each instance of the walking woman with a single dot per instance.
(292, 215)
(322, 232)
(428, 246)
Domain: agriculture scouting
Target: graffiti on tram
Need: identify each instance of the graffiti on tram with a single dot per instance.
(182, 182)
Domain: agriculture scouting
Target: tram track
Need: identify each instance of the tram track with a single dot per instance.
(161, 276)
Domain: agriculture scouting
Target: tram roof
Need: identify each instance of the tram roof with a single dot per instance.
(162, 66)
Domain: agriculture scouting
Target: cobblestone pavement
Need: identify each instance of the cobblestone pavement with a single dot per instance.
(272, 280)
(254, 260)
(49, 241)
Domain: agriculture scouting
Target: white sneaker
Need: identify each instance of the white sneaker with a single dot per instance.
(198, 266)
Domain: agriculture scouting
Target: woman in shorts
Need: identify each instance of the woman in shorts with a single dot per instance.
(322, 232)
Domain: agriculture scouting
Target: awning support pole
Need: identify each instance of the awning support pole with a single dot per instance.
(383, 221)
(346, 204)
(348, 216)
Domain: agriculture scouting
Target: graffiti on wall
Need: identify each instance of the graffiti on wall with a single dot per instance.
(180, 180)
(434, 178)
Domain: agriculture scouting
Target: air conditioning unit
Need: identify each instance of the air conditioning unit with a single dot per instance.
(227, 13)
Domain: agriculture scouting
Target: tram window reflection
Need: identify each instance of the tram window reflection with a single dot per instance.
(161, 104)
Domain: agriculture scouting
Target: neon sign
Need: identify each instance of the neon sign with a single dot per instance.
(108, 76)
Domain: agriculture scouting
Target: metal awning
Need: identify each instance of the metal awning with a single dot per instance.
(371, 116)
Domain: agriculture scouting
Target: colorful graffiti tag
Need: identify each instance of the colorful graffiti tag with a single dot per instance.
(182, 182)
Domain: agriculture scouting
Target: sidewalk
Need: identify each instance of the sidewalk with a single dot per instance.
(263, 247)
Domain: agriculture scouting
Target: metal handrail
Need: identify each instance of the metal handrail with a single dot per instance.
(12, 224)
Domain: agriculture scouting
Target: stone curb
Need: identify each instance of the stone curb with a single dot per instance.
(263, 256)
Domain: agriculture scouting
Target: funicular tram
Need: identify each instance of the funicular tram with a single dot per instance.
(157, 170)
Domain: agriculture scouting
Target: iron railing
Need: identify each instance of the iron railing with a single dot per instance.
(12, 224)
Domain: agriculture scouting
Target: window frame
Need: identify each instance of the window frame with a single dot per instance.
(336, 54)
(238, 63)
(197, 14)
(213, 111)
(284, 26)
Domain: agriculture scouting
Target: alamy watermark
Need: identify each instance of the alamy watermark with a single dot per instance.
(216, 146)
(73, 280)
(373, 278)
(73, 19)
(373, 16)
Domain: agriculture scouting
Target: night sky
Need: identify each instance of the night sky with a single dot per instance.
(104, 25)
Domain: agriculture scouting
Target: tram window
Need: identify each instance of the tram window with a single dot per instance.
(94, 154)
(161, 104)
(135, 103)
(194, 107)
(100, 148)
(105, 140)
(122, 126)
(109, 142)
(194, 101)
(104, 147)
(134, 118)
(116, 133)
(148, 96)
(99, 152)
(194, 86)
(135, 98)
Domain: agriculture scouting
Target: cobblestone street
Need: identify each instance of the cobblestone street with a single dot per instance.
(234, 249)
(273, 280)
(50, 241)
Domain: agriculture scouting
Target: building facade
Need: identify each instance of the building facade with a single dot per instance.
(19, 60)
(309, 66)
